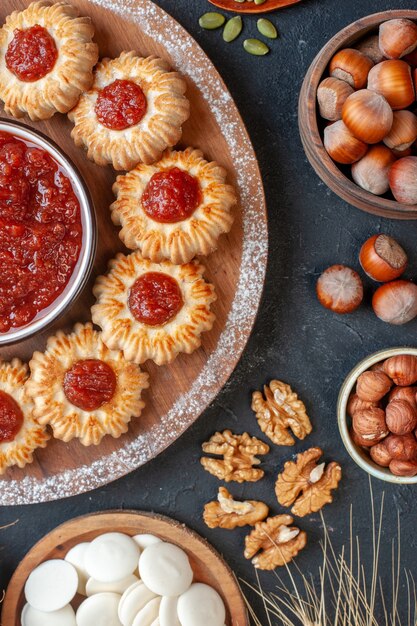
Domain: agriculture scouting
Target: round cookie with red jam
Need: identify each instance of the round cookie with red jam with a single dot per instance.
(134, 110)
(46, 59)
(83, 389)
(174, 209)
(153, 310)
(20, 433)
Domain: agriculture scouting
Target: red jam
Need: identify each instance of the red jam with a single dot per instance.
(171, 196)
(40, 231)
(31, 54)
(11, 417)
(120, 105)
(155, 298)
(89, 384)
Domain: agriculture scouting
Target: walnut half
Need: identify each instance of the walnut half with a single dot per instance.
(239, 455)
(280, 411)
(229, 513)
(274, 543)
(305, 484)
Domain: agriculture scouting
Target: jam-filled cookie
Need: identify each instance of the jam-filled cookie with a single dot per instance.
(46, 59)
(134, 110)
(83, 389)
(152, 310)
(174, 209)
(20, 433)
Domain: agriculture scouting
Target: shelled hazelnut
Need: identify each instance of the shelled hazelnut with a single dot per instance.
(368, 93)
(384, 418)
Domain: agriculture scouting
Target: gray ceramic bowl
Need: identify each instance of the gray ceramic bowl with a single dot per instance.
(360, 457)
(85, 262)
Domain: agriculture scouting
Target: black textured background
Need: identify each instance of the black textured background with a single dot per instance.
(294, 339)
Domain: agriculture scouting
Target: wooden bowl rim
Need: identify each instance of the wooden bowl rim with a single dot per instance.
(37, 553)
(311, 138)
(251, 7)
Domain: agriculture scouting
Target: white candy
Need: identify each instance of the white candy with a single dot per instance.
(168, 615)
(76, 556)
(148, 614)
(165, 569)
(95, 586)
(63, 617)
(111, 557)
(52, 585)
(133, 600)
(144, 541)
(99, 610)
(201, 605)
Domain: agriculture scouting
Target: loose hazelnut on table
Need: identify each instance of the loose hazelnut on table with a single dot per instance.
(402, 369)
(380, 455)
(340, 289)
(368, 116)
(393, 80)
(397, 38)
(372, 386)
(370, 424)
(331, 96)
(351, 66)
(403, 180)
(401, 417)
(371, 172)
(401, 447)
(382, 258)
(395, 302)
(341, 145)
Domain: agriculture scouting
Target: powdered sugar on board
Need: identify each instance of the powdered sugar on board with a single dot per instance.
(191, 61)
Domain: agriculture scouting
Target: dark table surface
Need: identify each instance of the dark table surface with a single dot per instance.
(294, 338)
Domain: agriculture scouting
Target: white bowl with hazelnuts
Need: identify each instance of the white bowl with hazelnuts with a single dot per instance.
(358, 114)
(377, 415)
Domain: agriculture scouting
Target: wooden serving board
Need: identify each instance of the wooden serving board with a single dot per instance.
(251, 7)
(207, 564)
(181, 391)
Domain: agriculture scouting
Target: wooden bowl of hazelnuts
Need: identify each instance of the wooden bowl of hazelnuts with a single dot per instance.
(377, 415)
(358, 114)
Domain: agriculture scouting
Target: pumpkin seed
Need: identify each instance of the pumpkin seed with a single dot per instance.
(256, 47)
(267, 29)
(232, 29)
(211, 20)
(259, 1)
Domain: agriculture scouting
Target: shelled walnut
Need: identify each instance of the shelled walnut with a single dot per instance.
(305, 484)
(239, 456)
(274, 543)
(229, 513)
(279, 411)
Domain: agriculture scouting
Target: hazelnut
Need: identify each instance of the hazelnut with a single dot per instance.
(403, 468)
(397, 38)
(372, 386)
(360, 441)
(351, 66)
(368, 116)
(355, 404)
(371, 172)
(403, 131)
(394, 81)
(395, 302)
(404, 393)
(380, 455)
(401, 417)
(370, 424)
(370, 48)
(331, 96)
(403, 180)
(377, 367)
(402, 369)
(401, 447)
(341, 145)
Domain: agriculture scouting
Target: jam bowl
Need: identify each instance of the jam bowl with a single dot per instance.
(358, 454)
(48, 232)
